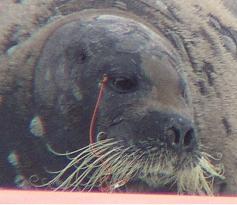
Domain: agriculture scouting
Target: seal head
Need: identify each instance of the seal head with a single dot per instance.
(144, 112)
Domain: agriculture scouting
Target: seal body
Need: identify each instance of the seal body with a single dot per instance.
(140, 122)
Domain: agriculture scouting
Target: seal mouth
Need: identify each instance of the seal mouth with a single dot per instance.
(139, 186)
(107, 166)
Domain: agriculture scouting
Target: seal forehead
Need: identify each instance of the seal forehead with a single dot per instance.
(129, 35)
(122, 25)
(132, 35)
(157, 55)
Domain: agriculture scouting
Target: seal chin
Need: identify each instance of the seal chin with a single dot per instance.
(164, 181)
(139, 186)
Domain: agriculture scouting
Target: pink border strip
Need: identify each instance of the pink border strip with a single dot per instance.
(33, 197)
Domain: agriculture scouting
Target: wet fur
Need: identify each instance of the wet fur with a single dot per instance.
(204, 32)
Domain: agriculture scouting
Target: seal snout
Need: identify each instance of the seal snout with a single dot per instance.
(181, 134)
(173, 130)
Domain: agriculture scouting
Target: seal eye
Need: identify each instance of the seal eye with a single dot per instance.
(123, 84)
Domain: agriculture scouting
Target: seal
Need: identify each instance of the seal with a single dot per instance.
(101, 100)
(117, 81)
(143, 109)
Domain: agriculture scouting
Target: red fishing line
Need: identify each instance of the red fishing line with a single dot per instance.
(93, 119)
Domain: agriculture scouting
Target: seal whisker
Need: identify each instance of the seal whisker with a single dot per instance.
(199, 178)
(92, 183)
(122, 170)
(88, 169)
(74, 161)
(110, 165)
(94, 146)
(83, 155)
(126, 169)
(211, 157)
(86, 156)
(98, 152)
(113, 167)
(62, 172)
(80, 157)
(100, 171)
(100, 176)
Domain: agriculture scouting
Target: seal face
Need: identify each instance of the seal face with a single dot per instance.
(142, 78)
(144, 108)
(94, 91)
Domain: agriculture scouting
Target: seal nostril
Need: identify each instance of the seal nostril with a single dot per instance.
(188, 138)
(173, 135)
(177, 136)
